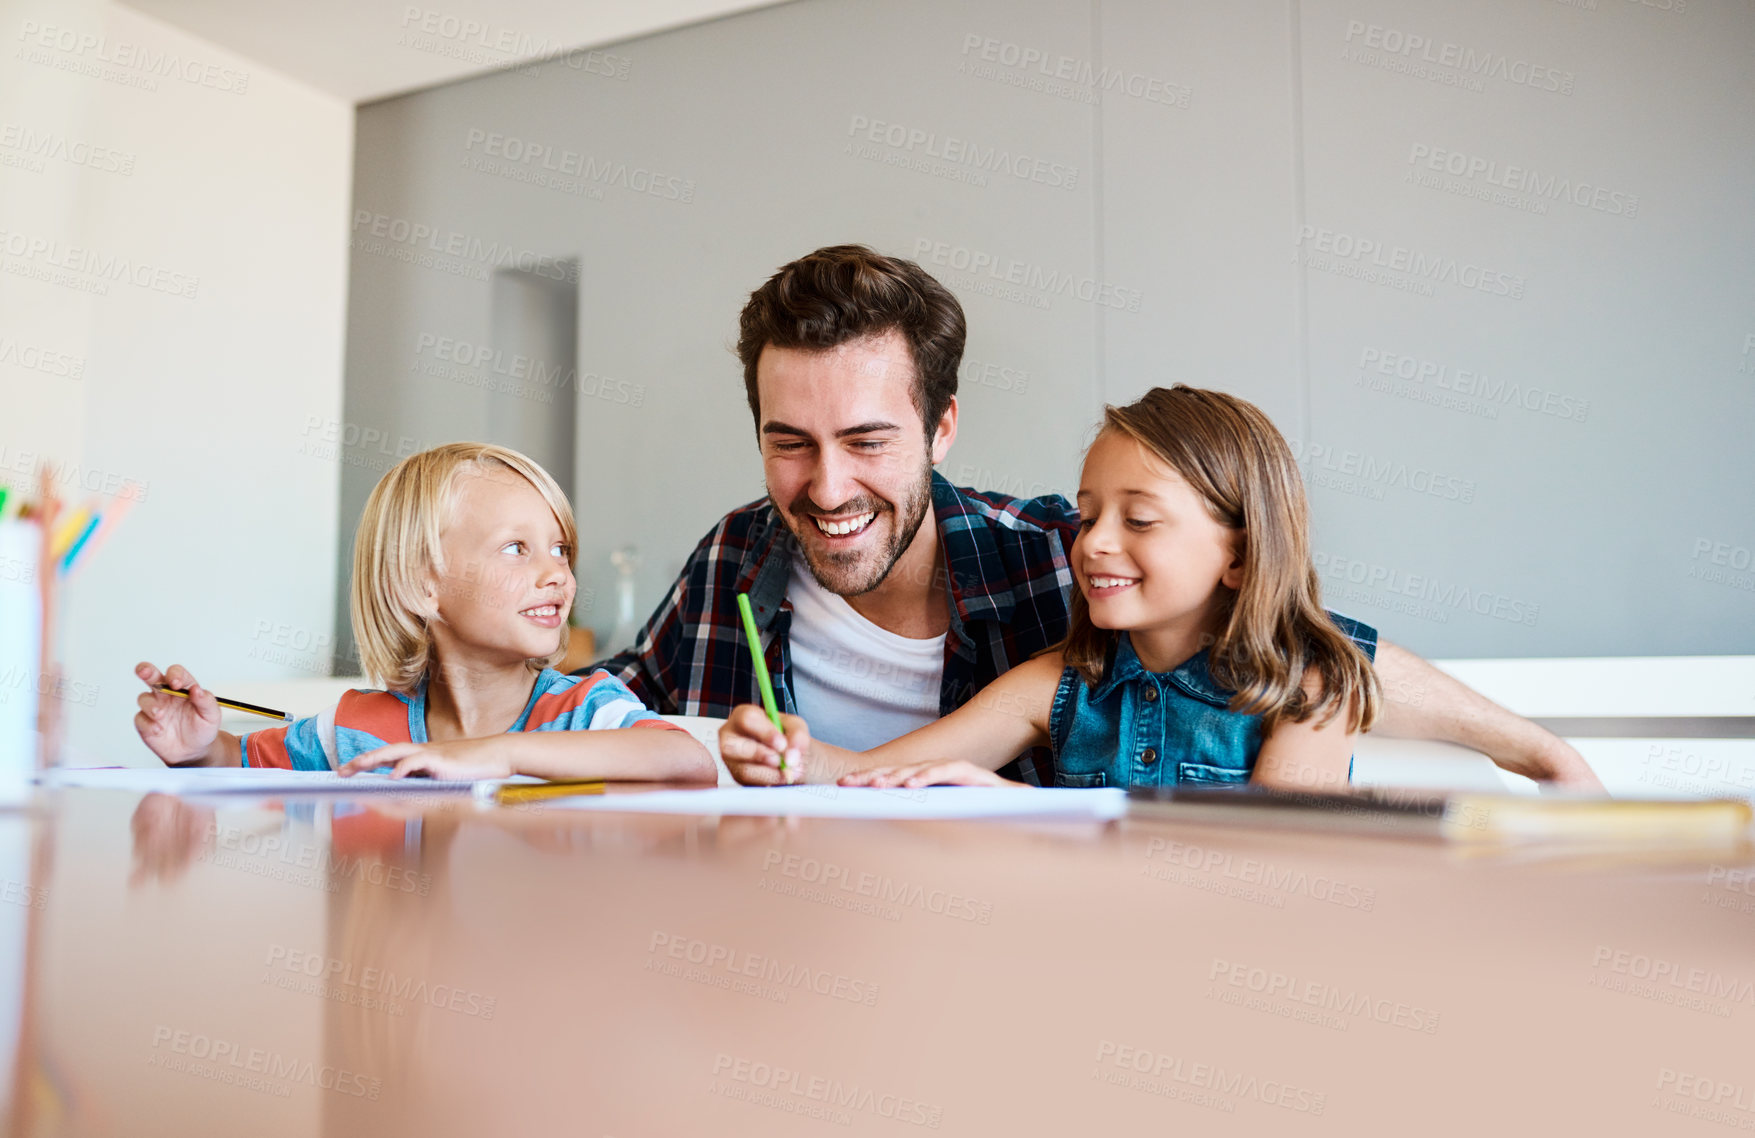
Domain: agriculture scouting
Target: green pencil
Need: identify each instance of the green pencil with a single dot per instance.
(767, 685)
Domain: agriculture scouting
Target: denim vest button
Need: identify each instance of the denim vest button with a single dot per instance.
(1148, 755)
(1151, 694)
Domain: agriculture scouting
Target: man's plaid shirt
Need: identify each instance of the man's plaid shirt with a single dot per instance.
(1005, 563)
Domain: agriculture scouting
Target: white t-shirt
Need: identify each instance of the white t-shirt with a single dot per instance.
(856, 684)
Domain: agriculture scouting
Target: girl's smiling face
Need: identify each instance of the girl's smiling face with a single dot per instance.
(1150, 558)
(508, 581)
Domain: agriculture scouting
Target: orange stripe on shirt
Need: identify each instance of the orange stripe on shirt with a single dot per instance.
(377, 713)
(267, 748)
(555, 704)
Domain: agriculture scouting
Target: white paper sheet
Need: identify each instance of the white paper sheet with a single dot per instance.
(238, 780)
(864, 802)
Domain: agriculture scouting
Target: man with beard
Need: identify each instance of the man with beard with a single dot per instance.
(886, 596)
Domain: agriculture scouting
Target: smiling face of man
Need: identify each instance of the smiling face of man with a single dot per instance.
(847, 460)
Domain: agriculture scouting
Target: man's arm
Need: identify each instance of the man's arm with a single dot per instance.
(1421, 702)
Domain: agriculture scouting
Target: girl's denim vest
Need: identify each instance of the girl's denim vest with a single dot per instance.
(1140, 728)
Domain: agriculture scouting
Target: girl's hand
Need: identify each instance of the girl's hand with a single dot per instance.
(751, 747)
(178, 730)
(459, 759)
(939, 772)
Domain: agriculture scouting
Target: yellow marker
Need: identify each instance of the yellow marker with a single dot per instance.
(514, 793)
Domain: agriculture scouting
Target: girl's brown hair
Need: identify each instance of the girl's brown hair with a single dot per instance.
(1276, 632)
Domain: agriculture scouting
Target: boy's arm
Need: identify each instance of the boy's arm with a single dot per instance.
(659, 752)
(1421, 702)
(585, 729)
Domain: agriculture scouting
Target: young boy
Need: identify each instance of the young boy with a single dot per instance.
(462, 581)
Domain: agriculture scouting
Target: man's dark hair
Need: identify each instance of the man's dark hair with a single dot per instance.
(848, 292)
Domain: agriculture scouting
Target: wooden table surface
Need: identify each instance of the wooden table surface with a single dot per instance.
(422, 966)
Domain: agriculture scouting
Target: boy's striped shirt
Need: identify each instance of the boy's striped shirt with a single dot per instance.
(364, 720)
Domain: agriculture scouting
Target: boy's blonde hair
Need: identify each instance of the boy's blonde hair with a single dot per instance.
(396, 550)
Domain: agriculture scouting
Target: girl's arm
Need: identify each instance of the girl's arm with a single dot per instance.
(645, 754)
(1304, 756)
(1006, 718)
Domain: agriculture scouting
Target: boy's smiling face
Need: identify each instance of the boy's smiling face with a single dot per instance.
(508, 581)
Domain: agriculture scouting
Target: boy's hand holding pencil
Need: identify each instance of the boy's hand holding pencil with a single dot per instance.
(179, 730)
(752, 747)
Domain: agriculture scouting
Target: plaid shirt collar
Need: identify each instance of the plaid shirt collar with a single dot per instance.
(964, 536)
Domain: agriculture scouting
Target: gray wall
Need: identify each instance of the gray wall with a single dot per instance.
(1291, 201)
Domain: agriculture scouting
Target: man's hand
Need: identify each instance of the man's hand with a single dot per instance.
(941, 772)
(459, 759)
(751, 747)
